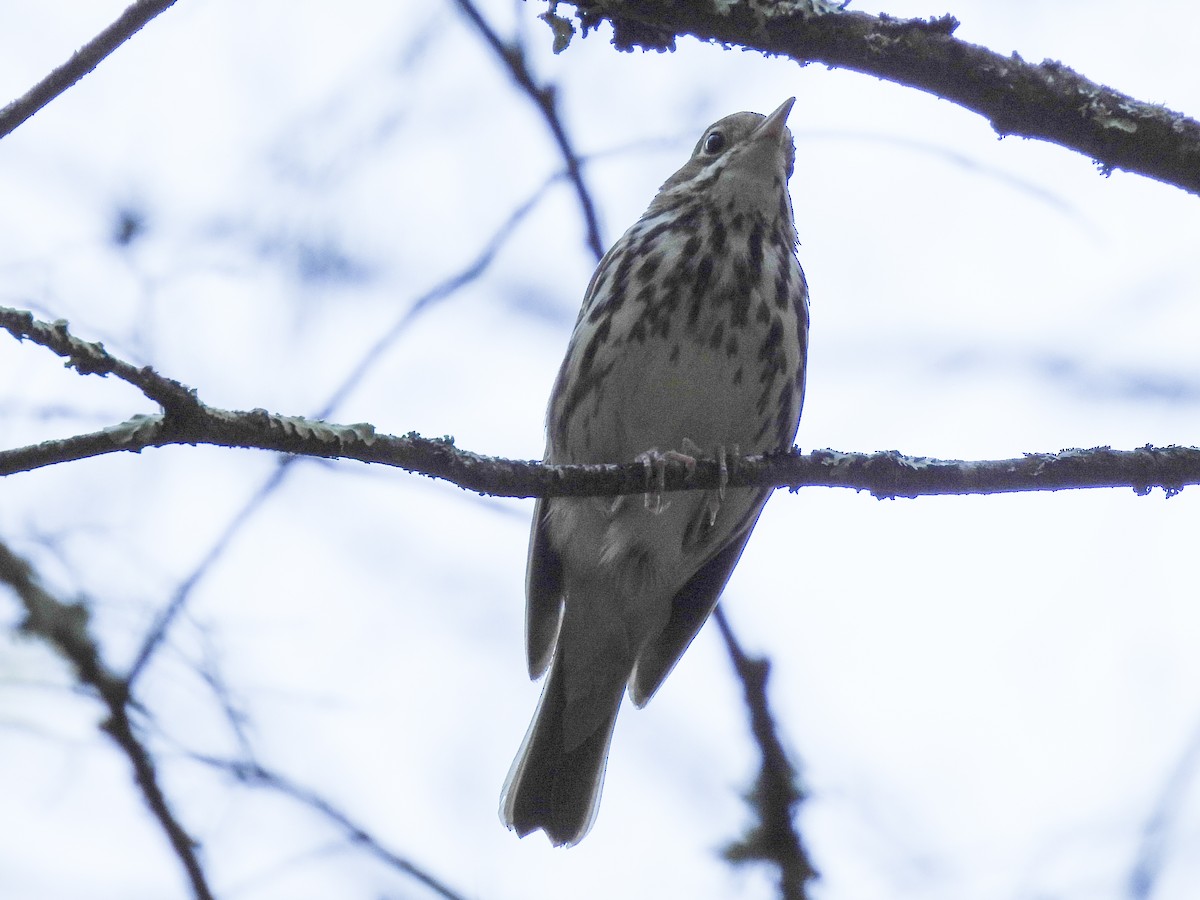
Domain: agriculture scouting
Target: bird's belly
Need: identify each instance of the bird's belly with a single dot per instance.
(711, 385)
(686, 393)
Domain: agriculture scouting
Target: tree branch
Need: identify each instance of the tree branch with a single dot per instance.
(545, 99)
(1164, 818)
(64, 626)
(252, 774)
(886, 474)
(1047, 101)
(439, 293)
(777, 792)
(90, 358)
(83, 61)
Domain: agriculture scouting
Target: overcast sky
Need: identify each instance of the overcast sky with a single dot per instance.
(992, 697)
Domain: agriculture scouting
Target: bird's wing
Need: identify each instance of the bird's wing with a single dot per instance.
(543, 593)
(690, 607)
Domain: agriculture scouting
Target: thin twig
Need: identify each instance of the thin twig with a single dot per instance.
(251, 773)
(776, 794)
(440, 292)
(82, 61)
(545, 99)
(208, 668)
(1147, 868)
(183, 592)
(64, 626)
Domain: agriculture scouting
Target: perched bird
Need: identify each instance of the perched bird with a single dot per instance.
(691, 343)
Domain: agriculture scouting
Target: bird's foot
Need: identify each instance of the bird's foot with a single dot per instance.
(712, 498)
(655, 463)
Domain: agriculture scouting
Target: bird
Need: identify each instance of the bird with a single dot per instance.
(691, 343)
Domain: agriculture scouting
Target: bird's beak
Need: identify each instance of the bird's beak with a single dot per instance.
(773, 124)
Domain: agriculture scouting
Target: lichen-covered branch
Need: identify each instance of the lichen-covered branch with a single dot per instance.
(886, 474)
(1047, 100)
(90, 358)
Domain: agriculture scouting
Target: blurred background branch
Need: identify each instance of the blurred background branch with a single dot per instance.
(253, 775)
(64, 626)
(777, 792)
(512, 55)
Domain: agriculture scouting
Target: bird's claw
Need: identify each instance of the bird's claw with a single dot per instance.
(723, 469)
(655, 463)
(713, 499)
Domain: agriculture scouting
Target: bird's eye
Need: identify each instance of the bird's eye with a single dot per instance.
(714, 143)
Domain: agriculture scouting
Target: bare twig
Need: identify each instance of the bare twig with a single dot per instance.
(64, 626)
(1046, 101)
(545, 99)
(84, 60)
(1147, 868)
(254, 775)
(777, 793)
(440, 292)
(209, 670)
(183, 592)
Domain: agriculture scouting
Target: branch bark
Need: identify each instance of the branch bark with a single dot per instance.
(1046, 101)
(82, 61)
(886, 474)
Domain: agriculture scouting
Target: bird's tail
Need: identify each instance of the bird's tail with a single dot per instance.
(555, 781)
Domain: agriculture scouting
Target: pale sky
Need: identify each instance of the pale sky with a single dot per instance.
(991, 696)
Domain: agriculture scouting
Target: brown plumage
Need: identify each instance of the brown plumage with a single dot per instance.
(691, 342)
